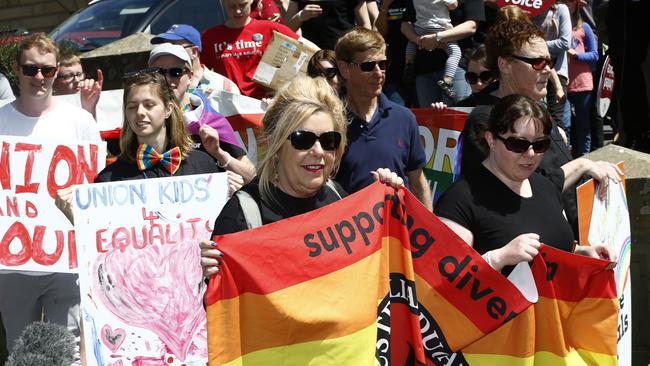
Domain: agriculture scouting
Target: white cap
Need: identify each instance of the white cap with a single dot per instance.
(169, 49)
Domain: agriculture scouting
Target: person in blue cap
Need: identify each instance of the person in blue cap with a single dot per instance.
(204, 79)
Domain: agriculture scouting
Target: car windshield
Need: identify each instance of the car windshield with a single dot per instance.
(101, 23)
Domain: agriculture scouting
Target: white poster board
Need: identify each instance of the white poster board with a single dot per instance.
(610, 223)
(139, 269)
(34, 234)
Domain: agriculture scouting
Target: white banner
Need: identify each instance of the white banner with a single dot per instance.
(34, 234)
(610, 224)
(140, 269)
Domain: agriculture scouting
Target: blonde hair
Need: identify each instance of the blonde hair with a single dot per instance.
(40, 41)
(358, 40)
(176, 133)
(292, 105)
(68, 59)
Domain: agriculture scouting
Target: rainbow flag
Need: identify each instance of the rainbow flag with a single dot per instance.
(377, 279)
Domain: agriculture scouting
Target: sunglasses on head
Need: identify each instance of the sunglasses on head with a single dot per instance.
(32, 70)
(146, 71)
(369, 66)
(304, 140)
(537, 63)
(520, 145)
(330, 72)
(473, 78)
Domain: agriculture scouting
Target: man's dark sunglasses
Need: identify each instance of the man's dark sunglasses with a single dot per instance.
(304, 140)
(32, 70)
(330, 72)
(538, 63)
(473, 78)
(520, 145)
(369, 66)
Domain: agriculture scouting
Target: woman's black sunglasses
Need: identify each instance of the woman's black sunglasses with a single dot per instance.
(537, 63)
(304, 140)
(520, 145)
(330, 72)
(473, 78)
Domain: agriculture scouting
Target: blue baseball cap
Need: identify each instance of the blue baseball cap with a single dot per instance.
(178, 32)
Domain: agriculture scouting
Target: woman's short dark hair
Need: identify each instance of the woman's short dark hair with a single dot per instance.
(513, 107)
(314, 67)
(506, 38)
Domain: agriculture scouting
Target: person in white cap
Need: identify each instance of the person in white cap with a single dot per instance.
(210, 130)
(190, 39)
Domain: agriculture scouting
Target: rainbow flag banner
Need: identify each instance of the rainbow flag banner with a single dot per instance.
(376, 279)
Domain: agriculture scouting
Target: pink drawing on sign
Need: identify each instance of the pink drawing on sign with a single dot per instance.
(116, 363)
(112, 338)
(158, 288)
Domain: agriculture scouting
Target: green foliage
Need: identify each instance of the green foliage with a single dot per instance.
(8, 49)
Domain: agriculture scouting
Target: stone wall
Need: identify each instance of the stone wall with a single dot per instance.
(37, 15)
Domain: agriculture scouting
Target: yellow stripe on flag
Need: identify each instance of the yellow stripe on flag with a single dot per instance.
(355, 349)
(575, 358)
(330, 306)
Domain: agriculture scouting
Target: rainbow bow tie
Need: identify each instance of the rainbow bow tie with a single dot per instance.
(148, 157)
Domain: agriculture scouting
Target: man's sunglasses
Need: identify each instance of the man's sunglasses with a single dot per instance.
(473, 78)
(369, 66)
(304, 140)
(46, 71)
(520, 145)
(330, 72)
(538, 63)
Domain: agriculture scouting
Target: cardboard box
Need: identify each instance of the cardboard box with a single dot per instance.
(283, 59)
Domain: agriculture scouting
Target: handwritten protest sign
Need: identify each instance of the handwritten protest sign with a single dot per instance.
(608, 222)
(34, 234)
(139, 269)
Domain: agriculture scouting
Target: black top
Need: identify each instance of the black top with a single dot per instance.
(336, 19)
(495, 214)
(196, 162)
(399, 11)
(231, 219)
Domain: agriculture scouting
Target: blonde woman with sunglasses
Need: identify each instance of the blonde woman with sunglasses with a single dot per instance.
(305, 130)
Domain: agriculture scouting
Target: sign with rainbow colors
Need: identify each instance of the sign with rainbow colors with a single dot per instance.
(377, 279)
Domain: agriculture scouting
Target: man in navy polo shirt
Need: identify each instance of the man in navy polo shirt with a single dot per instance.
(381, 134)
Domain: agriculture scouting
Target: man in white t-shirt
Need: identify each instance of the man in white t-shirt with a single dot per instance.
(26, 297)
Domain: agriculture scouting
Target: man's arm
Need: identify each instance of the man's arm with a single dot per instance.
(420, 187)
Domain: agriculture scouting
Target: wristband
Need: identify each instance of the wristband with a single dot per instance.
(488, 258)
(225, 164)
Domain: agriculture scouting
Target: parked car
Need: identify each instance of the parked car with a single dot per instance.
(104, 21)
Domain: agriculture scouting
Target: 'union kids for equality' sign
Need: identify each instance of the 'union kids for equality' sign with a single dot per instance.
(34, 234)
(140, 271)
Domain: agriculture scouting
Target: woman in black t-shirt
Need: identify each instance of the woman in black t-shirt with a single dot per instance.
(504, 209)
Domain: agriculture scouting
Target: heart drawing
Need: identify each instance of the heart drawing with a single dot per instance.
(112, 339)
(157, 288)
